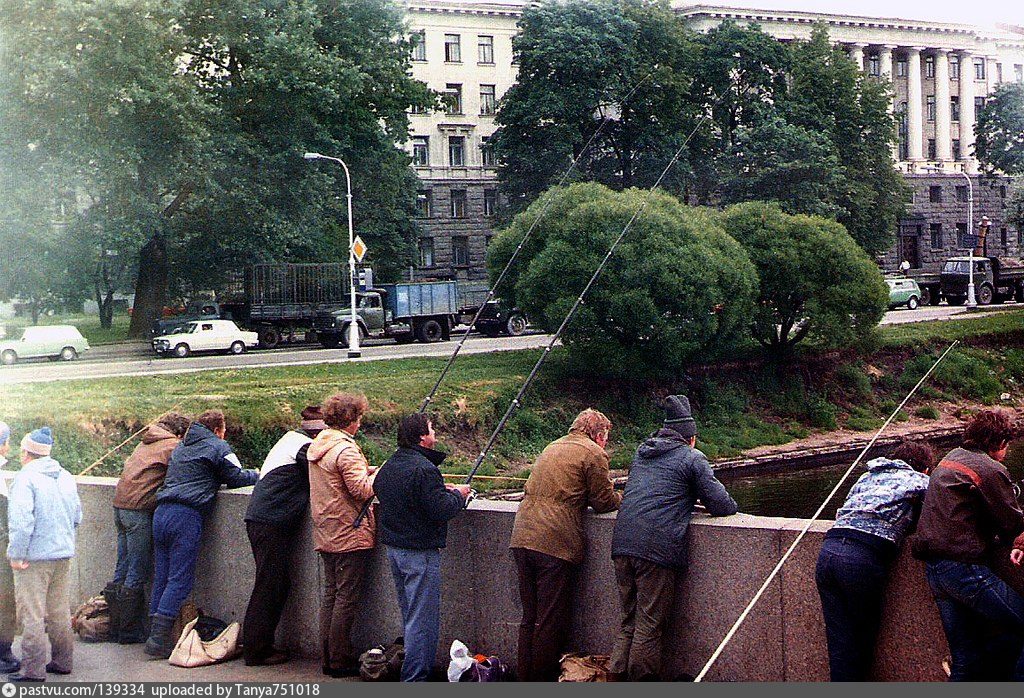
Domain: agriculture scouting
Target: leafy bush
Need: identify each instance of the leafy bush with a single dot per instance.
(853, 379)
(927, 412)
(962, 372)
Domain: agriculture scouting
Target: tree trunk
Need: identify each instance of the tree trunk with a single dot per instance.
(150, 287)
(107, 311)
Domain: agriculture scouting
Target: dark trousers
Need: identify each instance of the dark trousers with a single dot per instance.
(272, 553)
(646, 592)
(545, 589)
(417, 576)
(851, 578)
(176, 533)
(972, 600)
(343, 584)
(134, 547)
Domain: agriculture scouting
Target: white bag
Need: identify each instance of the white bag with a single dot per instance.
(192, 651)
(461, 661)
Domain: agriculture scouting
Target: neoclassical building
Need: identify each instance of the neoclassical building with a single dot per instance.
(941, 74)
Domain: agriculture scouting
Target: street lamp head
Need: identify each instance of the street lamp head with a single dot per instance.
(312, 156)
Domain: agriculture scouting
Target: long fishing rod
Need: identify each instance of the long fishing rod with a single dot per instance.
(807, 526)
(121, 445)
(508, 265)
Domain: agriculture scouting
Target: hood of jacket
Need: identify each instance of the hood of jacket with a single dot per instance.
(197, 433)
(44, 466)
(663, 441)
(157, 433)
(327, 440)
(887, 464)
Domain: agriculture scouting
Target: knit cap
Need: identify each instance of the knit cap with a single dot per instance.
(313, 419)
(39, 442)
(679, 417)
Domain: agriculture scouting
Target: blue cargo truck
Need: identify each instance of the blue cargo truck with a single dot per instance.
(425, 311)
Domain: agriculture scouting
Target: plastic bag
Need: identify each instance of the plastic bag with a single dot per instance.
(461, 661)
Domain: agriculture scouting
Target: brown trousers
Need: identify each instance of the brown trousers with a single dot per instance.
(343, 585)
(646, 592)
(43, 596)
(545, 589)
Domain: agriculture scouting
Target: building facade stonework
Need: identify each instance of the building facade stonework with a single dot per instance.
(940, 74)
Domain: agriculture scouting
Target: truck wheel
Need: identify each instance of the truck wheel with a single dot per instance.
(329, 341)
(8, 357)
(985, 295)
(270, 337)
(912, 303)
(429, 332)
(934, 296)
(516, 325)
(182, 350)
(237, 348)
(926, 296)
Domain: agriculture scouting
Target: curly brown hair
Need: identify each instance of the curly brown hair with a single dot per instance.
(590, 423)
(175, 423)
(989, 430)
(212, 420)
(917, 454)
(342, 409)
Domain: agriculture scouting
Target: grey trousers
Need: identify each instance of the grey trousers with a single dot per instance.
(43, 597)
(646, 592)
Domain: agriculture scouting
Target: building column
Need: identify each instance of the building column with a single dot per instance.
(967, 115)
(943, 139)
(857, 55)
(915, 125)
(886, 74)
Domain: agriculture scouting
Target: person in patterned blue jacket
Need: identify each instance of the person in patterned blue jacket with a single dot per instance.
(853, 566)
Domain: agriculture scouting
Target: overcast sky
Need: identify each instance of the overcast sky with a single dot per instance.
(984, 12)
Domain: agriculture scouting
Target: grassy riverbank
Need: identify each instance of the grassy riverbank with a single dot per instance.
(739, 407)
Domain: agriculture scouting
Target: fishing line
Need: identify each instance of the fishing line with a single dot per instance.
(121, 445)
(807, 526)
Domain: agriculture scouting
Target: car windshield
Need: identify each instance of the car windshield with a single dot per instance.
(956, 267)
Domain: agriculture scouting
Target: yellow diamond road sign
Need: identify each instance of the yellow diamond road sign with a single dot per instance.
(359, 249)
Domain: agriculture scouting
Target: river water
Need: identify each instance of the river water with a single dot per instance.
(800, 493)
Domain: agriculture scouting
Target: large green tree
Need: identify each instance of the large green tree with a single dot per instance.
(999, 134)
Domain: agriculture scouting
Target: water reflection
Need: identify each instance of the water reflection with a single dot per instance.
(800, 493)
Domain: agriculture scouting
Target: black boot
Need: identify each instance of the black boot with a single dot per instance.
(133, 612)
(160, 644)
(9, 664)
(111, 594)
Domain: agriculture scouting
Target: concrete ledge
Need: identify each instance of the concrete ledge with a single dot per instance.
(782, 640)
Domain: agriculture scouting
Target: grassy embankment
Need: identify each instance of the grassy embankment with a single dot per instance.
(738, 407)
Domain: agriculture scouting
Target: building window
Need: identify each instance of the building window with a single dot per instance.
(999, 73)
(935, 194)
(956, 149)
(903, 130)
(954, 108)
(490, 202)
(874, 65)
(457, 151)
(929, 102)
(453, 98)
(458, 200)
(954, 66)
(487, 158)
(452, 48)
(1002, 191)
(963, 240)
(1003, 237)
(935, 229)
(417, 109)
(421, 151)
(979, 68)
(929, 66)
(961, 193)
(419, 45)
(1018, 72)
(901, 68)
(931, 149)
(424, 203)
(485, 49)
(460, 250)
(488, 102)
(426, 247)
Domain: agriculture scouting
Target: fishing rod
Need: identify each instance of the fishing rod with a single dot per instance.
(121, 445)
(803, 532)
(508, 265)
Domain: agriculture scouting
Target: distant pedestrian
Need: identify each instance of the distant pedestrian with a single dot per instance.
(134, 502)
(415, 507)
(200, 464)
(273, 521)
(340, 483)
(43, 515)
(667, 478)
(9, 664)
(853, 566)
(547, 544)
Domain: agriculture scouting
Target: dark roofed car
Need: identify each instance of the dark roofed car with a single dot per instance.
(496, 318)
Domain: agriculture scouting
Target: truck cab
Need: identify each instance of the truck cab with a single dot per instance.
(371, 313)
(995, 280)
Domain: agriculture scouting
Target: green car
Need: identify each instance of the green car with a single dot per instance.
(52, 341)
(903, 292)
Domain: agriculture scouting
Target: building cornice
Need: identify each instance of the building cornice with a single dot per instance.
(489, 9)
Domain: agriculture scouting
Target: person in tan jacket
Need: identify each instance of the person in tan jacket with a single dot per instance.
(547, 544)
(340, 482)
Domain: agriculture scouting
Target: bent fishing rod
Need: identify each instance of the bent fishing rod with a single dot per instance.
(807, 526)
(515, 254)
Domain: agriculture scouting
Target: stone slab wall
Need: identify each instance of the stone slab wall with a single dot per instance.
(783, 639)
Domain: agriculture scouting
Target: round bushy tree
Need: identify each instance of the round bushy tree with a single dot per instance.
(678, 289)
(815, 280)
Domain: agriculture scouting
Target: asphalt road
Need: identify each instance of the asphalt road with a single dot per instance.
(137, 359)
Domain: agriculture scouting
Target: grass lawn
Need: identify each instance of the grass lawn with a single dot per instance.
(88, 325)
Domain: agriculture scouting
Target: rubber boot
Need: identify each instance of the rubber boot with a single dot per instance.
(9, 664)
(133, 612)
(111, 593)
(160, 644)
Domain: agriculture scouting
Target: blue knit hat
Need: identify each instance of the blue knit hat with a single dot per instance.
(39, 442)
(5, 433)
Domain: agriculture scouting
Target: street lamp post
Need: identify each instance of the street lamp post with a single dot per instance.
(353, 325)
(972, 301)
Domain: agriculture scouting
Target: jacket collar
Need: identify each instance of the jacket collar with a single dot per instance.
(435, 457)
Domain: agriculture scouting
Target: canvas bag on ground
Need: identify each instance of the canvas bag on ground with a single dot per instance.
(91, 620)
(382, 663)
(194, 651)
(584, 668)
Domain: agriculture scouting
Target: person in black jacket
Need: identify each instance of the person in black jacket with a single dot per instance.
(666, 479)
(200, 464)
(415, 507)
(273, 520)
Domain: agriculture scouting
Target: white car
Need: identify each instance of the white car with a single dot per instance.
(205, 335)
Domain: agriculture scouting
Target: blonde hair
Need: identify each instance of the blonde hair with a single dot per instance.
(590, 423)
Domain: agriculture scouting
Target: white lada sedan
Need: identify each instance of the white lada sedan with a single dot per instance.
(205, 335)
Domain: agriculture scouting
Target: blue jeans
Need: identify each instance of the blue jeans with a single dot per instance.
(134, 547)
(851, 578)
(176, 533)
(971, 599)
(418, 583)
